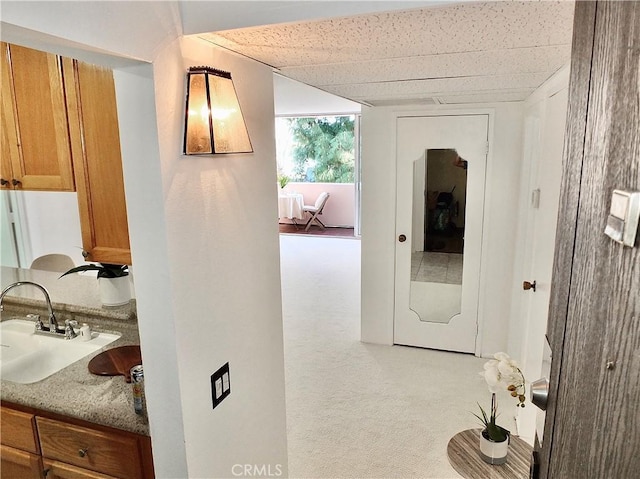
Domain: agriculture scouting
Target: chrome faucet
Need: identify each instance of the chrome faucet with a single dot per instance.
(53, 324)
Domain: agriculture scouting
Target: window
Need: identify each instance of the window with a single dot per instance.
(317, 149)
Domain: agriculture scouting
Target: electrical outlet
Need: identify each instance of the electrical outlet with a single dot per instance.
(220, 385)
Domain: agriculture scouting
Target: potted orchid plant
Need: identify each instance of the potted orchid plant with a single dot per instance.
(501, 373)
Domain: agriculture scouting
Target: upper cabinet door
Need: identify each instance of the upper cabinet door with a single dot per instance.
(93, 122)
(9, 139)
(34, 121)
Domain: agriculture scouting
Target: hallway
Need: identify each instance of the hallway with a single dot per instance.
(355, 409)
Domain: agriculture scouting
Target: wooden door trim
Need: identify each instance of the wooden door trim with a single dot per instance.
(592, 415)
(573, 158)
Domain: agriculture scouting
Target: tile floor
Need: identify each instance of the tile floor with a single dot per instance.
(436, 267)
(315, 230)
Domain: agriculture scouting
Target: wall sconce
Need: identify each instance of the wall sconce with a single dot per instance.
(214, 122)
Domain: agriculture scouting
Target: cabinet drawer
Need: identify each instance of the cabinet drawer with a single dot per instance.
(60, 470)
(109, 453)
(18, 430)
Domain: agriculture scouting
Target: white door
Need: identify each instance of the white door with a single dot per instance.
(544, 149)
(437, 285)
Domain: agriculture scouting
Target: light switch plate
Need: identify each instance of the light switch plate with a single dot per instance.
(624, 215)
(220, 385)
(535, 198)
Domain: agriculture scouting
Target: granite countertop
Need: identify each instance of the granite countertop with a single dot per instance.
(74, 391)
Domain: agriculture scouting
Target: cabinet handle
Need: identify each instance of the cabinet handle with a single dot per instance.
(83, 452)
(4, 182)
(15, 182)
(529, 286)
(85, 255)
(402, 238)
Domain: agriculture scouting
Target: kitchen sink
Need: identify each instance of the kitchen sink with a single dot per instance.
(27, 357)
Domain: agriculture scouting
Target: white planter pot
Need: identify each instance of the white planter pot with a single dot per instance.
(115, 291)
(493, 452)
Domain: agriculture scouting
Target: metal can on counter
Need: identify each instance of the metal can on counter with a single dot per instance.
(137, 380)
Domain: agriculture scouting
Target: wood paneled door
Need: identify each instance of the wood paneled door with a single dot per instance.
(592, 427)
(98, 164)
(36, 153)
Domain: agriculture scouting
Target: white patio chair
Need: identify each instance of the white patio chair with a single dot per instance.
(58, 263)
(316, 210)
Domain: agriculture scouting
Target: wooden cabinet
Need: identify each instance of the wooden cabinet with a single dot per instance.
(40, 444)
(60, 133)
(114, 454)
(19, 430)
(20, 451)
(17, 464)
(36, 150)
(95, 142)
(60, 470)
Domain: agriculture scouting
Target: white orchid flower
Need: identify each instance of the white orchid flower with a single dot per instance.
(502, 356)
(492, 377)
(506, 369)
(503, 373)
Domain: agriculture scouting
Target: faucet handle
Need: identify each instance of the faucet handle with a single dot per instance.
(69, 332)
(37, 320)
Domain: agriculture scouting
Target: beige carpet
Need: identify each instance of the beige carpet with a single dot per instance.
(358, 410)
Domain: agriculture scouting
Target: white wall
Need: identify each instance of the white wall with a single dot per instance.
(136, 30)
(53, 224)
(378, 220)
(545, 117)
(42, 222)
(154, 287)
(206, 295)
(230, 307)
(293, 98)
(340, 207)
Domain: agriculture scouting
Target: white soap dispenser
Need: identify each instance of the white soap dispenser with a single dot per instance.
(85, 332)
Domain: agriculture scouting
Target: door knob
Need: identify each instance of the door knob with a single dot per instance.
(540, 393)
(402, 238)
(527, 286)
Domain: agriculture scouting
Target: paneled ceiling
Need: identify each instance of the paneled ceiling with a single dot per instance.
(468, 52)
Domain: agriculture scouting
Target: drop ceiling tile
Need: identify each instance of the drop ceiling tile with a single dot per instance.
(459, 28)
(494, 62)
(399, 102)
(437, 87)
(475, 51)
(487, 97)
(496, 96)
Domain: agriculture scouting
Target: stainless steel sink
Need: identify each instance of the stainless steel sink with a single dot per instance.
(26, 357)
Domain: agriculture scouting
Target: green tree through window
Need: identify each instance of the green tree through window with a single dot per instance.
(322, 149)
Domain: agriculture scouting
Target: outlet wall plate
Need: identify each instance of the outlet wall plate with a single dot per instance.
(220, 385)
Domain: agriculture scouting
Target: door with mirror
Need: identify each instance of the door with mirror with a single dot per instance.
(441, 166)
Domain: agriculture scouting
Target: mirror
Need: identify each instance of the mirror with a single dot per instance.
(36, 223)
(439, 207)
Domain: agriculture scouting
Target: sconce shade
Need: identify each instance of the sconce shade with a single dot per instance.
(214, 122)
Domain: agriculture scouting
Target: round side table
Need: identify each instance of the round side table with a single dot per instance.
(463, 451)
